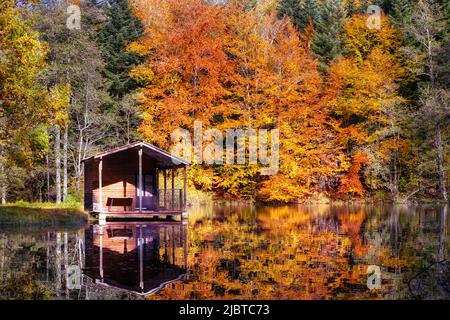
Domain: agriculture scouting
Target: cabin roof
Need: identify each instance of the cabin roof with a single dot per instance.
(163, 157)
(150, 286)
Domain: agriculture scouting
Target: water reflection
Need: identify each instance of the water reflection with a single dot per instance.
(35, 262)
(140, 257)
(315, 252)
(237, 252)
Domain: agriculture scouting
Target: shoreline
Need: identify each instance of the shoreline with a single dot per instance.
(21, 213)
(41, 214)
(323, 201)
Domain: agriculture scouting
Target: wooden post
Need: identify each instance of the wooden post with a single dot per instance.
(165, 247)
(173, 245)
(100, 185)
(141, 259)
(140, 179)
(157, 190)
(101, 253)
(173, 188)
(165, 188)
(184, 187)
(185, 252)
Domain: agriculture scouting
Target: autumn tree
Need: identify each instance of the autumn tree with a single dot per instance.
(282, 89)
(75, 60)
(234, 66)
(368, 102)
(186, 61)
(23, 110)
(428, 35)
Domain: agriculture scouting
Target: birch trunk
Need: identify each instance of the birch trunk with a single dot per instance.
(3, 182)
(65, 178)
(66, 264)
(47, 262)
(58, 263)
(3, 194)
(48, 177)
(58, 163)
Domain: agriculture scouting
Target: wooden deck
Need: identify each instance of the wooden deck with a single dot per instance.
(161, 223)
(136, 215)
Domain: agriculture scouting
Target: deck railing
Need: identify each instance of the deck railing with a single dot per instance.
(171, 200)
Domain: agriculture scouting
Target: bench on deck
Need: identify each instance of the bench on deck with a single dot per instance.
(125, 202)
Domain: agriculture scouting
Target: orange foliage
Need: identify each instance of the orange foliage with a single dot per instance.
(186, 67)
(351, 182)
(232, 67)
(364, 86)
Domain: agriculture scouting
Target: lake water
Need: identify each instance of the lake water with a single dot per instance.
(237, 252)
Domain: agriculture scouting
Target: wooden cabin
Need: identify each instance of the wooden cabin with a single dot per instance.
(134, 181)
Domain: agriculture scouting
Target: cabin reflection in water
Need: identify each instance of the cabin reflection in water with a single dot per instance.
(141, 257)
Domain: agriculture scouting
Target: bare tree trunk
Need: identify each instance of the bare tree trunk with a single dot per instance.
(441, 274)
(58, 263)
(394, 181)
(128, 126)
(65, 143)
(3, 194)
(440, 162)
(58, 163)
(47, 264)
(66, 264)
(3, 182)
(2, 264)
(442, 232)
(3, 191)
(78, 161)
(48, 177)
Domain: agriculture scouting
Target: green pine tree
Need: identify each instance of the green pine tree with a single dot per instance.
(328, 39)
(301, 12)
(401, 12)
(360, 7)
(118, 31)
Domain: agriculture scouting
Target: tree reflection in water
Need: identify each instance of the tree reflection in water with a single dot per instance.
(237, 252)
(312, 252)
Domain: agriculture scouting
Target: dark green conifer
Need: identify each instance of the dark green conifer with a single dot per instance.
(301, 12)
(328, 40)
(121, 28)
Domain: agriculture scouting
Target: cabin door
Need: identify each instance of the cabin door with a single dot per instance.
(148, 195)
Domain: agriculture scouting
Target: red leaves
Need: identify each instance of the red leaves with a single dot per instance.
(351, 182)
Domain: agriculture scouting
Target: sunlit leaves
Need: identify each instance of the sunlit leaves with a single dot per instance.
(22, 99)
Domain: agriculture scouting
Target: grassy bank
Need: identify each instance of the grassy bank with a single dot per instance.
(44, 214)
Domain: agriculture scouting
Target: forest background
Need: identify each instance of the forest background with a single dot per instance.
(363, 111)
